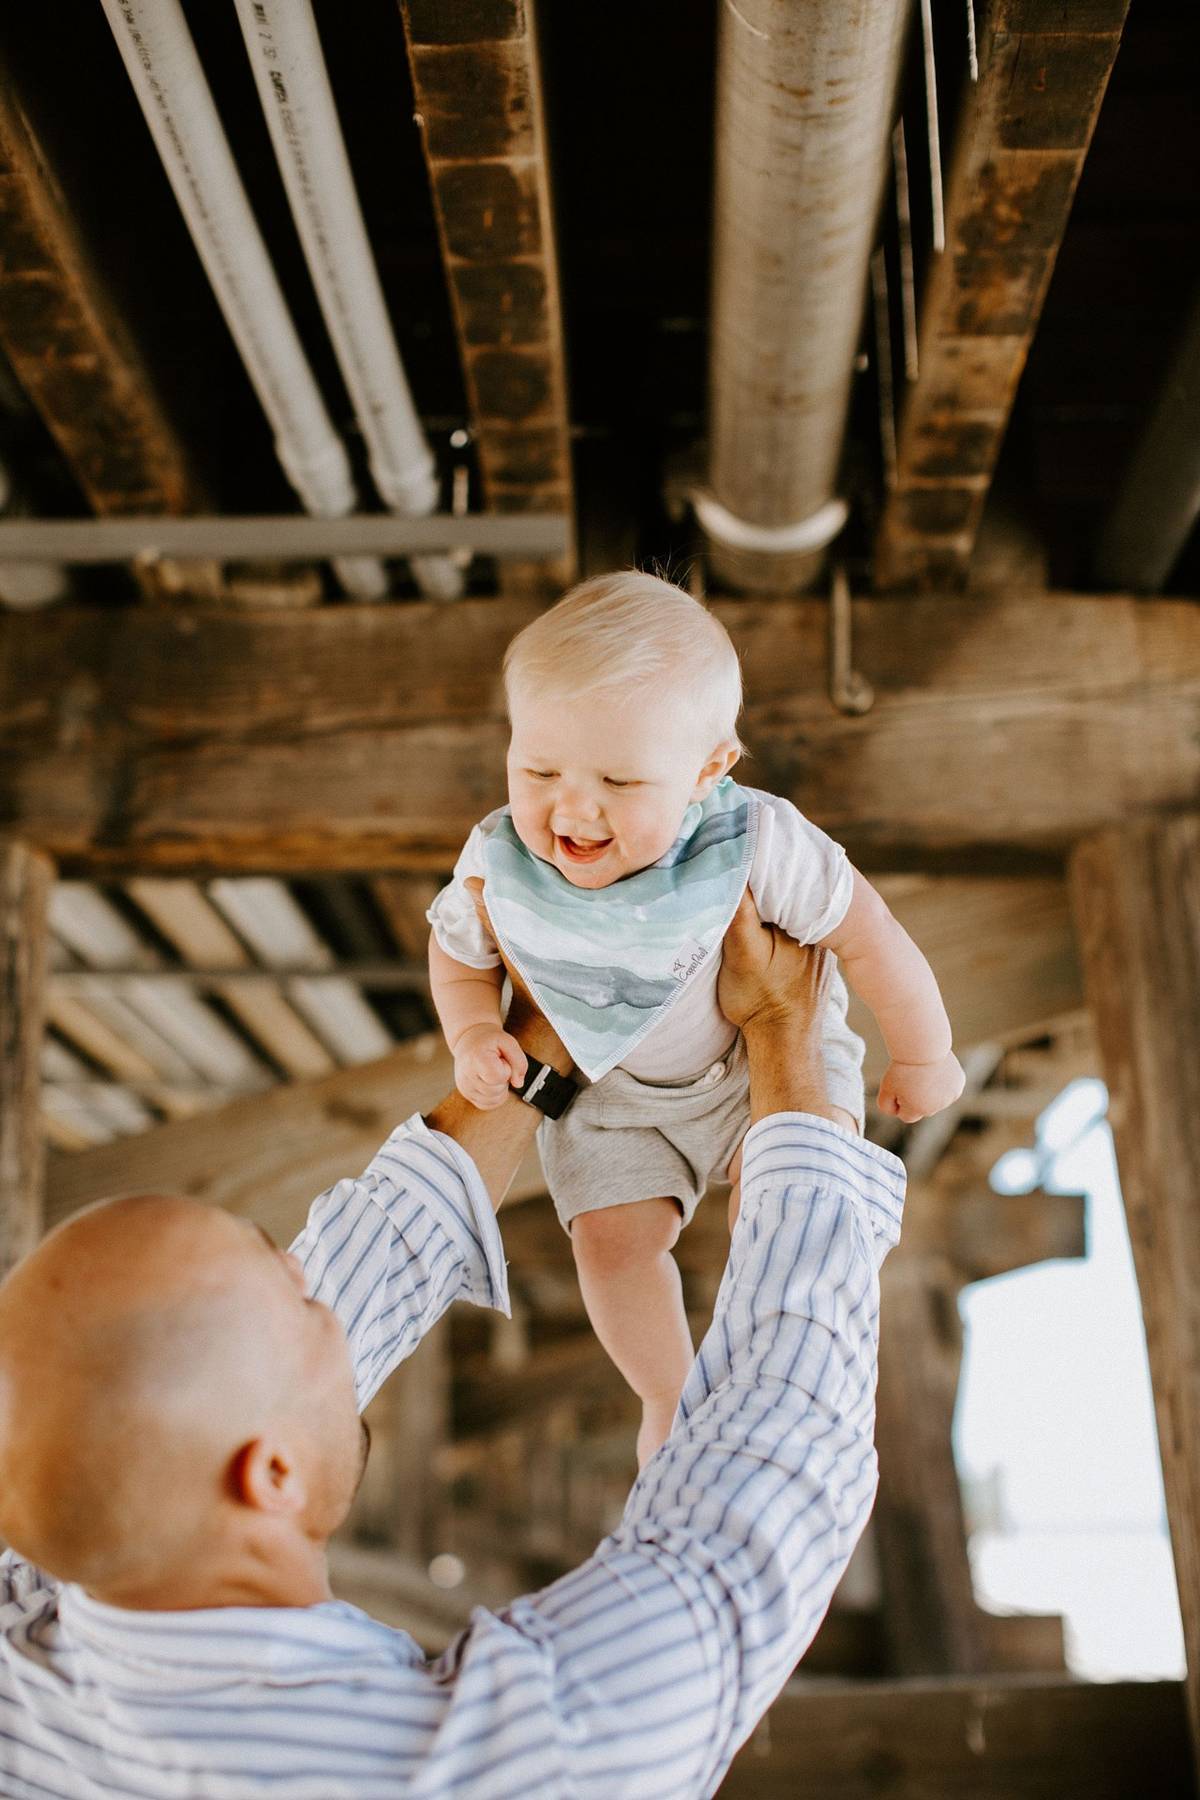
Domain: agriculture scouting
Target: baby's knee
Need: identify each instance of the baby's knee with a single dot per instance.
(619, 1237)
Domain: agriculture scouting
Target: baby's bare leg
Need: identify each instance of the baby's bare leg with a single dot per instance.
(634, 1298)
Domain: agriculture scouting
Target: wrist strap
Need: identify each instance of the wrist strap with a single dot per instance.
(546, 1089)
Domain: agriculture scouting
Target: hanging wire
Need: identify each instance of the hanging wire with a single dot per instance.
(884, 379)
(972, 47)
(931, 111)
(908, 279)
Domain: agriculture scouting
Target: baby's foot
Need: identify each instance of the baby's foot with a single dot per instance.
(657, 1414)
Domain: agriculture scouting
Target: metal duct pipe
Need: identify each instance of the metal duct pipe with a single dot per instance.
(293, 85)
(170, 84)
(806, 95)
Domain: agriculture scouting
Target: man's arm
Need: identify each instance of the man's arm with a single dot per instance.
(390, 1250)
(661, 1653)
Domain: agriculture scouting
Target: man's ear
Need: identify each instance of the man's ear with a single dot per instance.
(716, 764)
(264, 1474)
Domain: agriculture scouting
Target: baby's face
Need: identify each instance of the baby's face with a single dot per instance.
(599, 786)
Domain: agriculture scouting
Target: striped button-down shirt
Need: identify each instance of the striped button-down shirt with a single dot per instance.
(638, 1674)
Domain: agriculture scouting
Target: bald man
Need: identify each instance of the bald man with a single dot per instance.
(180, 1434)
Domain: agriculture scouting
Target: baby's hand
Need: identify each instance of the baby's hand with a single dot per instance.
(914, 1090)
(487, 1061)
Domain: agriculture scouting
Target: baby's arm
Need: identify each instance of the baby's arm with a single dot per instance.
(486, 1058)
(889, 973)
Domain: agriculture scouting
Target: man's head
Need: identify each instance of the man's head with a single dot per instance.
(623, 701)
(178, 1424)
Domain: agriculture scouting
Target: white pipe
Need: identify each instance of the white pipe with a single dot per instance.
(293, 85)
(170, 84)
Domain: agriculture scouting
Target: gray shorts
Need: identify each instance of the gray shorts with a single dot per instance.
(623, 1139)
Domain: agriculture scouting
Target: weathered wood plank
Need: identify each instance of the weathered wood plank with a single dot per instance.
(931, 1620)
(398, 1502)
(998, 1738)
(267, 1157)
(1137, 902)
(477, 82)
(1003, 952)
(130, 740)
(65, 337)
(25, 879)
(1021, 145)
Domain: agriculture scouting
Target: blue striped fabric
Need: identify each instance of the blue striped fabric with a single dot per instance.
(638, 1674)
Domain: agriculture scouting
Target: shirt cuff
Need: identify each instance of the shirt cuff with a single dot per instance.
(791, 1147)
(437, 1171)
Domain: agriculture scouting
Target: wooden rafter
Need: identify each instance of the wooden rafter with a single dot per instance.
(477, 81)
(276, 741)
(268, 1156)
(25, 879)
(1137, 900)
(993, 1738)
(1025, 132)
(64, 335)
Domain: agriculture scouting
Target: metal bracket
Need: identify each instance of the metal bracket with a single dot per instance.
(849, 691)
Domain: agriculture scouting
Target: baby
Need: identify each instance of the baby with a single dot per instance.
(610, 879)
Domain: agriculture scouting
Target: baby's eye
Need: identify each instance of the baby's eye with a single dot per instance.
(609, 782)
(540, 774)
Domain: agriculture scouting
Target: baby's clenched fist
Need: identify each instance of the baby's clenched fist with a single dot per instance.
(915, 1090)
(487, 1063)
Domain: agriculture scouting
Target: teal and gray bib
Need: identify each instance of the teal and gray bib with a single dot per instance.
(604, 964)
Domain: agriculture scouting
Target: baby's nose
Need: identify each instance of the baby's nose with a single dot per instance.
(574, 805)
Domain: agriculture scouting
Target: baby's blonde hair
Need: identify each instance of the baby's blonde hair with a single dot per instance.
(623, 631)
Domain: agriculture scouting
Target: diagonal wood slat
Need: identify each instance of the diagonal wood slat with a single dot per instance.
(477, 81)
(1025, 132)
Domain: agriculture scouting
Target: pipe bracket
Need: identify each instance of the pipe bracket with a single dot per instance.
(849, 691)
(813, 533)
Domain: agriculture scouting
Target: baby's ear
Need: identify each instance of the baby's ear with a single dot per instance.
(717, 764)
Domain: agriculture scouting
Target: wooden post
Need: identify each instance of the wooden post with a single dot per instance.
(931, 1621)
(1136, 893)
(399, 1501)
(25, 878)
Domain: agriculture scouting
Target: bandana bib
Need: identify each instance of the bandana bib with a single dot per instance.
(604, 964)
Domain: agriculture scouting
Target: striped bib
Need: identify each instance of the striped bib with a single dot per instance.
(604, 964)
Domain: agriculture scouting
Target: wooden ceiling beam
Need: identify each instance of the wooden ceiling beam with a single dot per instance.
(152, 741)
(63, 332)
(991, 1737)
(268, 1156)
(25, 882)
(478, 87)
(1137, 899)
(1026, 128)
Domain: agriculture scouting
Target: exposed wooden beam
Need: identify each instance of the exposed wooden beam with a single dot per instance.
(478, 87)
(1003, 952)
(399, 1499)
(25, 881)
(1025, 131)
(930, 1616)
(995, 1738)
(150, 740)
(64, 334)
(1137, 900)
(267, 1157)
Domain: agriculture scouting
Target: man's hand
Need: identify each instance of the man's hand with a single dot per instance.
(487, 1062)
(913, 1091)
(765, 974)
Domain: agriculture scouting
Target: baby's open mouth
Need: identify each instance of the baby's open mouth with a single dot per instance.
(582, 850)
